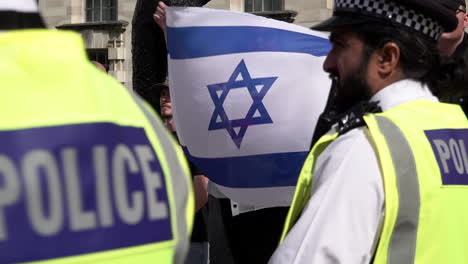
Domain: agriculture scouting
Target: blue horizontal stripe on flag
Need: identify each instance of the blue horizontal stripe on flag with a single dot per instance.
(196, 42)
(257, 171)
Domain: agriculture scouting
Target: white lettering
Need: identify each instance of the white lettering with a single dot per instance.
(128, 177)
(102, 186)
(10, 191)
(79, 219)
(456, 156)
(461, 143)
(32, 164)
(129, 214)
(157, 209)
(444, 153)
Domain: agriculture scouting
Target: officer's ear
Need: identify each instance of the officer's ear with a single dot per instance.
(388, 59)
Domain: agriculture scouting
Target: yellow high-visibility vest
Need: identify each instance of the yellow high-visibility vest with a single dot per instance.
(88, 173)
(422, 150)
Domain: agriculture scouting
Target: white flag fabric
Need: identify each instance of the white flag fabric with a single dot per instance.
(247, 92)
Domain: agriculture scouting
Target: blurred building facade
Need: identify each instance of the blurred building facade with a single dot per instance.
(105, 25)
(309, 12)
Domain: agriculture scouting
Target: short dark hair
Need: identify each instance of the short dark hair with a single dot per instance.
(419, 57)
(418, 54)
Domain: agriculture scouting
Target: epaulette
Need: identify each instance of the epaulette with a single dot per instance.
(354, 117)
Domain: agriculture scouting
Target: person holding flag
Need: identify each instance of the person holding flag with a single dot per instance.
(454, 45)
(247, 92)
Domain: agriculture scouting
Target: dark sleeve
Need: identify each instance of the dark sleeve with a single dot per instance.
(149, 50)
(194, 170)
(149, 53)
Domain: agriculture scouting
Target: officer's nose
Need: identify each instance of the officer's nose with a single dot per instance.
(329, 65)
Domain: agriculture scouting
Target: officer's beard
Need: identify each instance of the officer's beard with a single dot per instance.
(352, 88)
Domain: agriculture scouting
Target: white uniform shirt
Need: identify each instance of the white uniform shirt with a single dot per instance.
(341, 222)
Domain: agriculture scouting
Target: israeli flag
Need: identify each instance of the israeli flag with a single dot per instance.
(247, 92)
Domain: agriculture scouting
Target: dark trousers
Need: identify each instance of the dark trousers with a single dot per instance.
(250, 237)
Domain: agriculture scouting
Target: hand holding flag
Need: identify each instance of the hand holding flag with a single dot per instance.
(247, 92)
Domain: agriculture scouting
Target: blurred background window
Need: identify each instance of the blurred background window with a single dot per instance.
(101, 10)
(99, 55)
(263, 5)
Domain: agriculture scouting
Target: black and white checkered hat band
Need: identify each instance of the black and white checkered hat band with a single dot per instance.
(394, 12)
(19, 14)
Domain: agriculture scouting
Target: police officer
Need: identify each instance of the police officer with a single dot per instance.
(384, 185)
(88, 174)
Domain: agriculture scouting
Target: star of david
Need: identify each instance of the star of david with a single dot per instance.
(257, 113)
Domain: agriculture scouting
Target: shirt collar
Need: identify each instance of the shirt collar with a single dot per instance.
(402, 92)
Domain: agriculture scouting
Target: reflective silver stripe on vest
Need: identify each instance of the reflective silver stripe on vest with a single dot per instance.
(402, 245)
(179, 183)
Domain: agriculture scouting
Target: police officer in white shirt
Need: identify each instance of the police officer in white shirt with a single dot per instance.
(384, 52)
